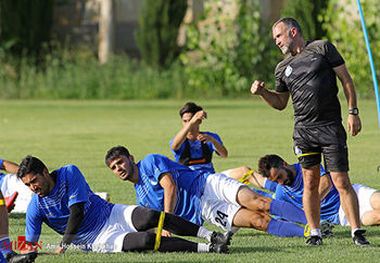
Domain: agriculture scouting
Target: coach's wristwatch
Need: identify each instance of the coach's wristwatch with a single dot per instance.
(354, 111)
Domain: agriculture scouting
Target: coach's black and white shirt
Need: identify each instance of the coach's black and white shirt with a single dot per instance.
(311, 81)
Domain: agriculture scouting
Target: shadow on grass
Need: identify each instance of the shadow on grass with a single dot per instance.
(17, 215)
(268, 249)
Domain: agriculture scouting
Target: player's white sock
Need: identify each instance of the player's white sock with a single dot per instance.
(353, 231)
(203, 247)
(315, 232)
(204, 233)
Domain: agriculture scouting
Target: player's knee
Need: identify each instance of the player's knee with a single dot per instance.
(144, 218)
(148, 240)
(259, 222)
(139, 241)
(245, 169)
(261, 204)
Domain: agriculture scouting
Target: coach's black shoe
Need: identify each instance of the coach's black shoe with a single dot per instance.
(359, 238)
(21, 258)
(219, 238)
(314, 241)
(218, 248)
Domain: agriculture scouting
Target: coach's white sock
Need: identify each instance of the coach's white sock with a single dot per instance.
(204, 233)
(353, 231)
(315, 232)
(203, 247)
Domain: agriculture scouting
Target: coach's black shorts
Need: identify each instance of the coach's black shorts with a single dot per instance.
(329, 140)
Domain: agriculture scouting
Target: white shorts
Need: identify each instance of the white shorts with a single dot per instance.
(11, 183)
(113, 232)
(218, 201)
(364, 194)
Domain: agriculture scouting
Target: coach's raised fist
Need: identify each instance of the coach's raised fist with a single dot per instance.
(257, 87)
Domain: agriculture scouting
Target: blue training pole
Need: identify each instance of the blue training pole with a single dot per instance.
(370, 60)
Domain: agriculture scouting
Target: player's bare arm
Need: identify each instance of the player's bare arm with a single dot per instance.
(170, 195)
(353, 121)
(277, 100)
(181, 135)
(9, 166)
(220, 149)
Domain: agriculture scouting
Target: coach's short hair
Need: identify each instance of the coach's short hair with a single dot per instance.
(116, 152)
(269, 161)
(30, 165)
(289, 22)
(189, 107)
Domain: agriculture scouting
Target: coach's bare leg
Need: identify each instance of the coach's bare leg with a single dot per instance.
(248, 218)
(372, 218)
(310, 199)
(348, 198)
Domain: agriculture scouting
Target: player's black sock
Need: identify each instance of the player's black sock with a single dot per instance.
(142, 241)
(144, 219)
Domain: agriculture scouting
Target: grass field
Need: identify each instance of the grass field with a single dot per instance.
(80, 133)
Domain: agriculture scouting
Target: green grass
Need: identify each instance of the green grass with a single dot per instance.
(80, 133)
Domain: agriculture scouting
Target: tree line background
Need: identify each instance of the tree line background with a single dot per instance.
(218, 60)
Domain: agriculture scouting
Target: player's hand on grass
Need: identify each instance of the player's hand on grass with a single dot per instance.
(60, 250)
(354, 124)
(165, 233)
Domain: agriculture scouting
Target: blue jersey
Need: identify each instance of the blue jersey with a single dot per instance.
(70, 188)
(293, 194)
(2, 176)
(190, 186)
(196, 152)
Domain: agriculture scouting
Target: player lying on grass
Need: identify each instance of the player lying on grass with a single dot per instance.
(194, 148)
(163, 184)
(63, 200)
(286, 181)
(6, 252)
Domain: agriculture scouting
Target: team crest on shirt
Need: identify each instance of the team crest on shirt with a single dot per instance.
(288, 70)
(297, 150)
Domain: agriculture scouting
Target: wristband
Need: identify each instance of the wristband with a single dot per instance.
(353, 111)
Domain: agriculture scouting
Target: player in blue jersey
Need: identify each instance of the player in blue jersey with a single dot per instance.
(63, 200)
(290, 188)
(163, 184)
(194, 148)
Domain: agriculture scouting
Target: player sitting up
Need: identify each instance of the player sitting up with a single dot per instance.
(194, 148)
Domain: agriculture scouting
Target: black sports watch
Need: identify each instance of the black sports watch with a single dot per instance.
(354, 111)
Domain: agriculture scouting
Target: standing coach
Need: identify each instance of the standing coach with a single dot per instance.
(308, 74)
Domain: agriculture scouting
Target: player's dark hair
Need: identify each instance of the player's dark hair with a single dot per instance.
(116, 152)
(269, 161)
(30, 165)
(189, 107)
(289, 22)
